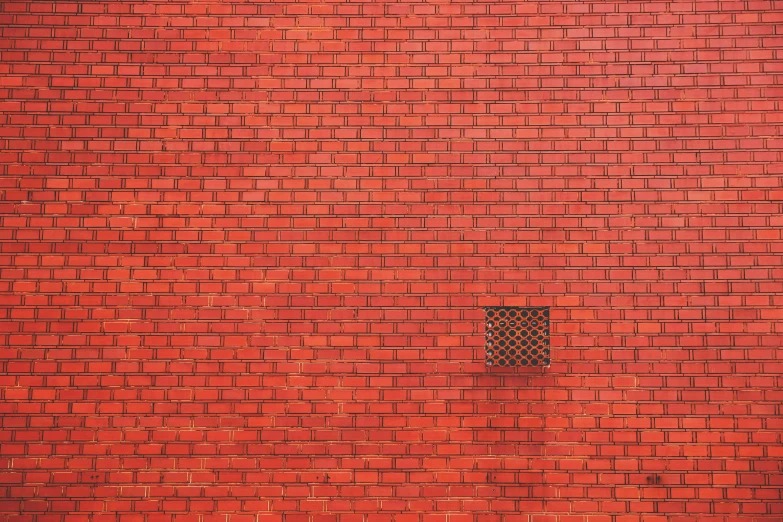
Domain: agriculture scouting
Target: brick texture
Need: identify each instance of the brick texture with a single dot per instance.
(245, 248)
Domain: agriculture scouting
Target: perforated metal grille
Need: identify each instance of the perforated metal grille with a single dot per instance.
(517, 336)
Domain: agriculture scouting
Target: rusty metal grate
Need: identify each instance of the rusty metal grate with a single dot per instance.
(517, 336)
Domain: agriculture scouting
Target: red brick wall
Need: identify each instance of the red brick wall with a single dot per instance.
(245, 247)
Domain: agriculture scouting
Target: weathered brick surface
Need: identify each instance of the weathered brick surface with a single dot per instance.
(245, 246)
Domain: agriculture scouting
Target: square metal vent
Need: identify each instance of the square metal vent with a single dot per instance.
(517, 336)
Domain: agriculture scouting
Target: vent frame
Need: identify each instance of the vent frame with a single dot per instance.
(517, 336)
